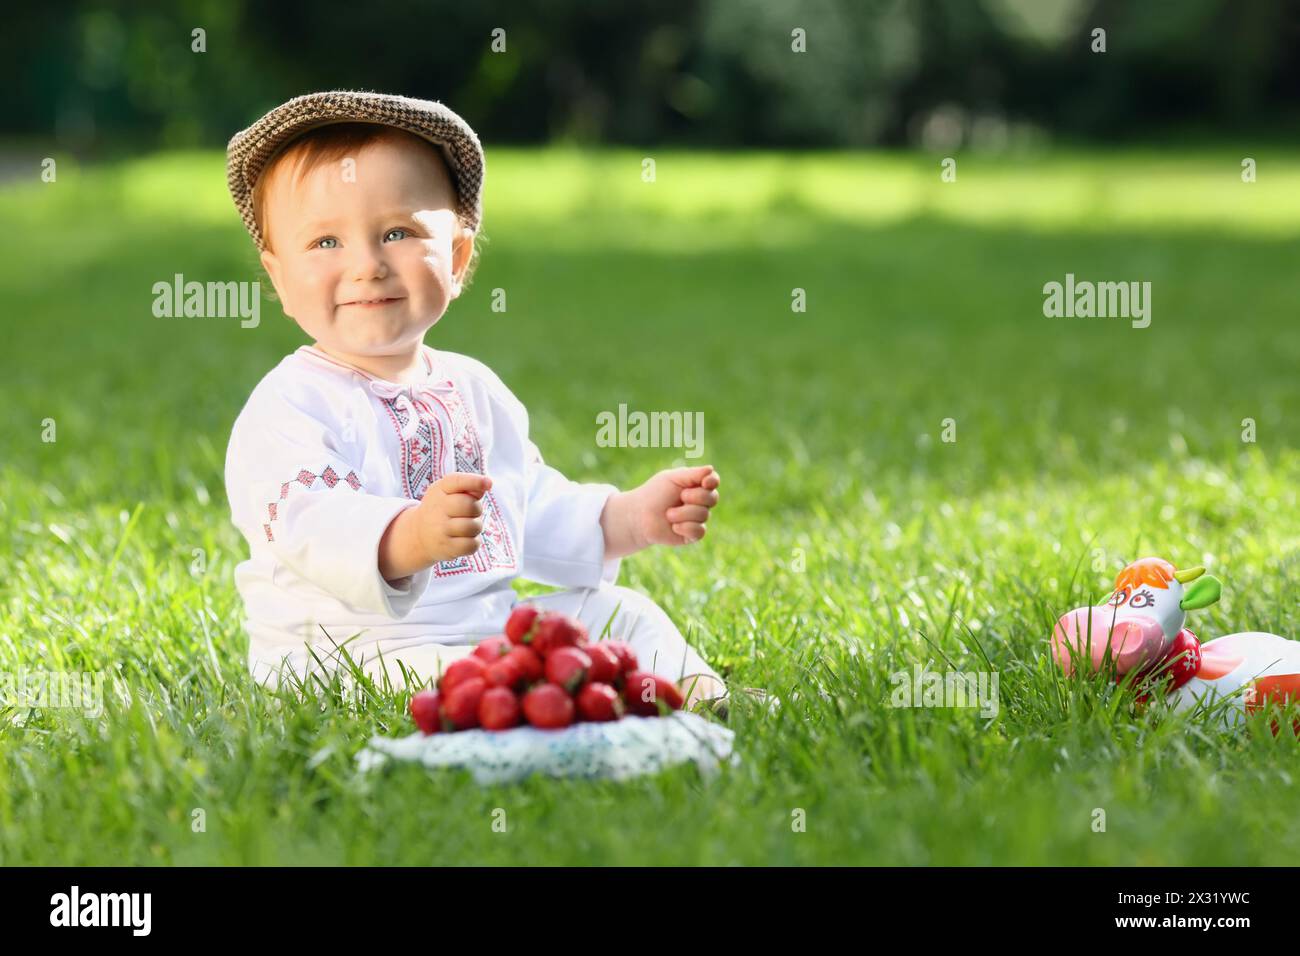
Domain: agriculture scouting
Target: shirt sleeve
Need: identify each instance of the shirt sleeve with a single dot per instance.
(564, 544)
(295, 490)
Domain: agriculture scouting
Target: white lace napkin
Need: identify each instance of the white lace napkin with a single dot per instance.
(616, 750)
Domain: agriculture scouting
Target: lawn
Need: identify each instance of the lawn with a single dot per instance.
(852, 541)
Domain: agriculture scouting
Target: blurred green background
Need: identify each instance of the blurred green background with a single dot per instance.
(991, 74)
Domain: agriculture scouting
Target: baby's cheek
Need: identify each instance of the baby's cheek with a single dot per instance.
(313, 285)
(433, 271)
(436, 260)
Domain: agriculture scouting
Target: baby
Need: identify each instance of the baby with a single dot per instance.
(390, 492)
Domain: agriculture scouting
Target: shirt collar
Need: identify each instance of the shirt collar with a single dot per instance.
(437, 378)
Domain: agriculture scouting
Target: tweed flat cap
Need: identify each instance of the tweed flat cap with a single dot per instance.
(250, 150)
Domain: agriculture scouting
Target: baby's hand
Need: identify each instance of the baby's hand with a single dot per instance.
(676, 504)
(449, 518)
(444, 525)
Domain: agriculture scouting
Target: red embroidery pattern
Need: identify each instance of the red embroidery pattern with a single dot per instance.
(496, 550)
(421, 453)
(422, 465)
(329, 476)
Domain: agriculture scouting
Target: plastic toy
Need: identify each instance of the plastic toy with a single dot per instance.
(1140, 627)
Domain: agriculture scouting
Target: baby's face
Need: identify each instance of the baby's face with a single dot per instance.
(368, 257)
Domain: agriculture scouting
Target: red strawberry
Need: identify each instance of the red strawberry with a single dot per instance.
(668, 692)
(459, 671)
(644, 691)
(548, 706)
(567, 666)
(425, 707)
(519, 627)
(461, 703)
(489, 651)
(604, 663)
(528, 661)
(623, 651)
(598, 701)
(498, 709)
(639, 693)
(507, 672)
(557, 630)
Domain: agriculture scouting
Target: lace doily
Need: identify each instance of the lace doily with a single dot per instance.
(617, 750)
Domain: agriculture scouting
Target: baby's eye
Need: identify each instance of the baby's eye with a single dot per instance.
(400, 233)
(322, 243)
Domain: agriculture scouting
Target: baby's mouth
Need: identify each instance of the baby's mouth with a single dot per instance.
(374, 303)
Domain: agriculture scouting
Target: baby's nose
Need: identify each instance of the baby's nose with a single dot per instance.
(369, 264)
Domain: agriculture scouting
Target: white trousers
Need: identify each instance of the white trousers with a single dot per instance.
(612, 611)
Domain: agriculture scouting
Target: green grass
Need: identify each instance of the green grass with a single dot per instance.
(1080, 444)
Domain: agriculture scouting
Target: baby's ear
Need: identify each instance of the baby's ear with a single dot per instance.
(462, 254)
(272, 266)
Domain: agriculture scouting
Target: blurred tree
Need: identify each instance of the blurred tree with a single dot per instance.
(98, 73)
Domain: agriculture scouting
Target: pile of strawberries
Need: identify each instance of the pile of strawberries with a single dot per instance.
(543, 671)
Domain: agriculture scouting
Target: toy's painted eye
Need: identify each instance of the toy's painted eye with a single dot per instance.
(1142, 599)
(1118, 598)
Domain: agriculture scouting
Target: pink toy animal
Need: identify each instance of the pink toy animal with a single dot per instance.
(1141, 625)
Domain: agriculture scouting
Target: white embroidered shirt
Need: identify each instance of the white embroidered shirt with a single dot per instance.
(324, 456)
